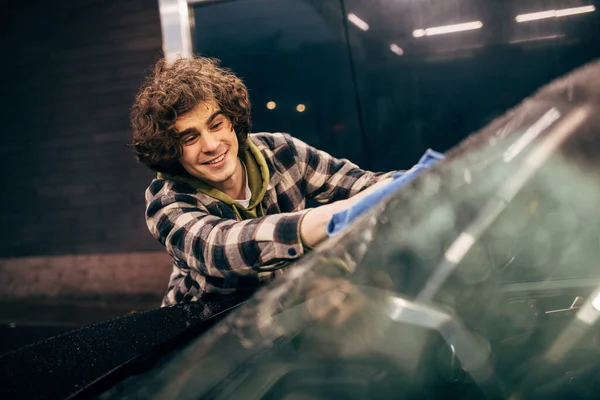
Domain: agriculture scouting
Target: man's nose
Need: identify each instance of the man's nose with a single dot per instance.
(210, 143)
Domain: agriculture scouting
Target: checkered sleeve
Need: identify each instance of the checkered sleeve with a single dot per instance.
(220, 247)
(330, 179)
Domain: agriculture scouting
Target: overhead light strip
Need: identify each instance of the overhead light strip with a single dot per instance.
(362, 25)
(565, 12)
(396, 49)
(441, 30)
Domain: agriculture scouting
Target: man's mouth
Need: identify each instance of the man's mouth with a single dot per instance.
(216, 160)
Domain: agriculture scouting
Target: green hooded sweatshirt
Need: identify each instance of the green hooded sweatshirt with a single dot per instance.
(258, 180)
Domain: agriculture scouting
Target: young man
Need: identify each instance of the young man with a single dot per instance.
(229, 206)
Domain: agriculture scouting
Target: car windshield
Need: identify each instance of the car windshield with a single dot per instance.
(477, 280)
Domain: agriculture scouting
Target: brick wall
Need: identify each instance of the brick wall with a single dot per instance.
(71, 185)
(93, 277)
(72, 214)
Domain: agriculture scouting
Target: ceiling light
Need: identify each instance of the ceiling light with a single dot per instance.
(554, 13)
(396, 49)
(441, 30)
(358, 22)
(419, 32)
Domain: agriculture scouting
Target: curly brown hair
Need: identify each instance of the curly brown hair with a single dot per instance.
(172, 90)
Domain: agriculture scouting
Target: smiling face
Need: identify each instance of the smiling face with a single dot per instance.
(210, 147)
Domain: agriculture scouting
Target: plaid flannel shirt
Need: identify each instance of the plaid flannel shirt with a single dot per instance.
(216, 254)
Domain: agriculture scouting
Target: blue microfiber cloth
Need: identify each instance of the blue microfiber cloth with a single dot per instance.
(341, 219)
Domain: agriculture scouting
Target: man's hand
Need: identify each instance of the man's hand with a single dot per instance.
(313, 227)
(314, 224)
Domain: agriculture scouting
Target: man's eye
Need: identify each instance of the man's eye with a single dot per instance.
(217, 126)
(189, 139)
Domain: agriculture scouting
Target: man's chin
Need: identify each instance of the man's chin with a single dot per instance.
(216, 179)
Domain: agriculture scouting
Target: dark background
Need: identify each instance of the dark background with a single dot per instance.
(71, 185)
(73, 240)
